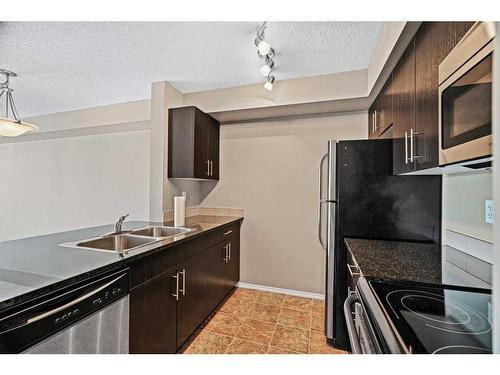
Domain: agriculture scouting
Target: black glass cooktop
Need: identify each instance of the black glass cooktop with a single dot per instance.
(438, 319)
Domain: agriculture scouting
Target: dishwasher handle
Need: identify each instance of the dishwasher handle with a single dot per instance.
(351, 327)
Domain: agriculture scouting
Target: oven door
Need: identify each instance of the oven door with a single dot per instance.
(361, 335)
(465, 104)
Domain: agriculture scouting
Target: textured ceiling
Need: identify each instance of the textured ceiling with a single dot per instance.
(69, 65)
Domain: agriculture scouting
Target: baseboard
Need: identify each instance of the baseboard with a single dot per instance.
(272, 289)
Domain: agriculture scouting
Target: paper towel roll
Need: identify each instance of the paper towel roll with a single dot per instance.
(179, 211)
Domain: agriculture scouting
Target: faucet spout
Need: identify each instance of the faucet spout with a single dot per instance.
(119, 223)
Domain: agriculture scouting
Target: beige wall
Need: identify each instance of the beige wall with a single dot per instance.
(271, 170)
(463, 204)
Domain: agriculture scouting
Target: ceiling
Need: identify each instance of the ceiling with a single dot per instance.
(71, 65)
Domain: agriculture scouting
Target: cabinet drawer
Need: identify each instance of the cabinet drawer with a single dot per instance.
(222, 234)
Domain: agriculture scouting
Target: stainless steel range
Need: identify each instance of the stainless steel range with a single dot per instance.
(404, 317)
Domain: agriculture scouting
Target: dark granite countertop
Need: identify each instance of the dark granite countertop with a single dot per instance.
(409, 261)
(36, 265)
(419, 262)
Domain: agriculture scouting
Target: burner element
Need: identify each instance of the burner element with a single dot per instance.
(461, 349)
(452, 313)
(439, 312)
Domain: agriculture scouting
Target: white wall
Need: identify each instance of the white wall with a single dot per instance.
(271, 170)
(463, 204)
(67, 183)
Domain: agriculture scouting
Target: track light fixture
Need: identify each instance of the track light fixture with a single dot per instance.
(266, 52)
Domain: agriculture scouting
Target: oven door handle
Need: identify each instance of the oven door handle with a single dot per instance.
(351, 328)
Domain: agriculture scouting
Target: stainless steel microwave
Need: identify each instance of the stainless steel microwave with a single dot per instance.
(465, 97)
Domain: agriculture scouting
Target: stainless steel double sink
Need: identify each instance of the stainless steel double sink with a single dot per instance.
(128, 240)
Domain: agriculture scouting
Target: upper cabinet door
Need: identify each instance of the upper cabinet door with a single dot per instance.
(193, 144)
(386, 106)
(213, 148)
(403, 90)
(373, 118)
(433, 42)
(201, 145)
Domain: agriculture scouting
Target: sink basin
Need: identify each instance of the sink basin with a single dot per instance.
(117, 243)
(160, 231)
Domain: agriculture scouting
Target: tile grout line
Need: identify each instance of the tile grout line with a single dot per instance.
(276, 325)
(253, 303)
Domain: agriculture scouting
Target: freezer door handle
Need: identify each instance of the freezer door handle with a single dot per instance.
(320, 225)
(321, 177)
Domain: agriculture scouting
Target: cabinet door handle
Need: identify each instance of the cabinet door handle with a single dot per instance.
(411, 145)
(413, 133)
(225, 254)
(229, 247)
(227, 233)
(373, 122)
(176, 294)
(406, 147)
(211, 167)
(208, 167)
(375, 127)
(183, 290)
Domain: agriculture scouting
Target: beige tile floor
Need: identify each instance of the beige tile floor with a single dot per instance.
(254, 322)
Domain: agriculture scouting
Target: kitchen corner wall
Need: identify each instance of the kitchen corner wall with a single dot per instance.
(271, 170)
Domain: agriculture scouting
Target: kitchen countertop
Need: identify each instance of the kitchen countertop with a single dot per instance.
(36, 265)
(418, 262)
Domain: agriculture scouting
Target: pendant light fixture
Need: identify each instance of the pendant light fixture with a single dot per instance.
(266, 52)
(11, 125)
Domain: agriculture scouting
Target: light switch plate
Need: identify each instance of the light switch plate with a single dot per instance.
(489, 211)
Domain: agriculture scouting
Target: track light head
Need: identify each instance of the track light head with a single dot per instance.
(269, 84)
(267, 68)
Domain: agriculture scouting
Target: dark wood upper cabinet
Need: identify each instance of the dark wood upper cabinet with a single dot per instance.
(380, 115)
(403, 92)
(193, 144)
(415, 95)
(372, 113)
(385, 106)
(153, 314)
(433, 42)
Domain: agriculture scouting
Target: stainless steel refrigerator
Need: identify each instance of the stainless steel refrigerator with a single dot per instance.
(360, 198)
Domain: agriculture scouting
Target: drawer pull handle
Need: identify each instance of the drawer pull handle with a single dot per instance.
(228, 232)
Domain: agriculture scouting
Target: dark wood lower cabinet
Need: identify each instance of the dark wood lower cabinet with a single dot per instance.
(233, 262)
(153, 315)
(202, 281)
(160, 322)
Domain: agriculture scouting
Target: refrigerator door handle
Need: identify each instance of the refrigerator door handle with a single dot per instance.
(321, 177)
(320, 226)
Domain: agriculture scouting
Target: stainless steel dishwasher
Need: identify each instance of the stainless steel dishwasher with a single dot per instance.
(90, 317)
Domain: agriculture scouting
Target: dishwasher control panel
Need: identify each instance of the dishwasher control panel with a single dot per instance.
(110, 290)
(26, 325)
